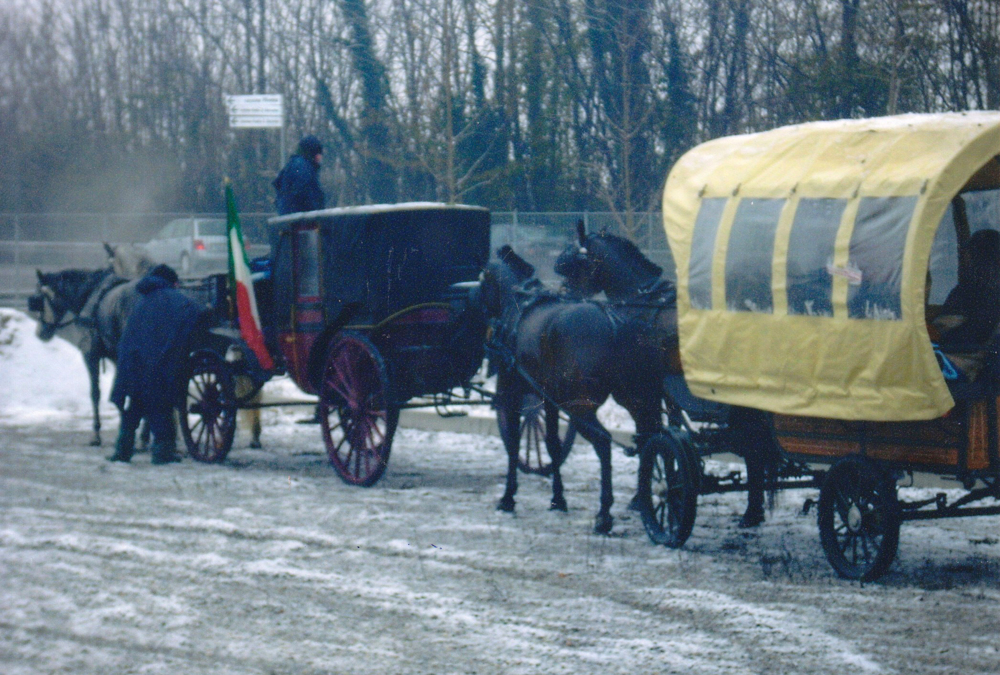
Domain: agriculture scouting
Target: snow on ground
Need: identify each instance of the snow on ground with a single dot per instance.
(268, 563)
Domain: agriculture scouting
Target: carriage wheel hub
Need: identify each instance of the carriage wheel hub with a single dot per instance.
(854, 518)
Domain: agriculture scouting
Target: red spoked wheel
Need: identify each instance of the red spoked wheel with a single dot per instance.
(208, 409)
(357, 413)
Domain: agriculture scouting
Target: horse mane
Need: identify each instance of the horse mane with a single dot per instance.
(628, 251)
(75, 285)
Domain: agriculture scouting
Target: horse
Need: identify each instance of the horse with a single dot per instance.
(567, 351)
(646, 306)
(87, 308)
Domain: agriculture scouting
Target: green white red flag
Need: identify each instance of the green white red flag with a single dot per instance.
(241, 285)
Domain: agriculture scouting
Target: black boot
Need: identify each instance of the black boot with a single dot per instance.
(124, 447)
(164, 453)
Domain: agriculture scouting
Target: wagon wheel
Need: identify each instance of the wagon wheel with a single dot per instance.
(668, 489)
(356, 411)
(859, 519)
(208, 409)
(533, 455)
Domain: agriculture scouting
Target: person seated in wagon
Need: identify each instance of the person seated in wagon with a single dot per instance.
(969, 317)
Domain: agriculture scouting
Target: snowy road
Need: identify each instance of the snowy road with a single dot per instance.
(269, 564)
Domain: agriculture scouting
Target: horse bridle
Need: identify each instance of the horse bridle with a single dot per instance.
(44, 304)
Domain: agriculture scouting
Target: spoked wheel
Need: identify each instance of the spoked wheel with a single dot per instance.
(533, 455)
(208, 411)
(859, 519)
(668, 489)
(357, 415)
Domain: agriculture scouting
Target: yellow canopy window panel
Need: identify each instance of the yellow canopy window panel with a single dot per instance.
(802, 255)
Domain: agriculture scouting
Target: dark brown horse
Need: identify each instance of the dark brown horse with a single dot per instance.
(568, 352)
(646, 307)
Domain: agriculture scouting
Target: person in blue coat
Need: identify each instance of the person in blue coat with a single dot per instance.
(297, 185)
(154, 347)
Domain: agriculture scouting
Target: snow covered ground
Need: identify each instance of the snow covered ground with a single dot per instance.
(269, 564)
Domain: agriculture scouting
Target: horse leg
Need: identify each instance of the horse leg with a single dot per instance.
(599, 437)
(508, 408)
(648, 422)
(554, 447)
(93, 369)
(255, 424)
(144, 435)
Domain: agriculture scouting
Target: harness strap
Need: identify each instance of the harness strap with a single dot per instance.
(85, 316)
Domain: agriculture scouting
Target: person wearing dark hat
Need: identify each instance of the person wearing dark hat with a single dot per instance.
(298, 190)
(153, 349)
(297, 185)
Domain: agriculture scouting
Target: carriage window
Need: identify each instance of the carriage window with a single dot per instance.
(810, 254)
(703, 252)
(983, 209)
(307, 263)
(749, 255)
(944, 260)
(876, 254)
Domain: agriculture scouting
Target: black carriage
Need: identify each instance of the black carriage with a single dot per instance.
(371, 309)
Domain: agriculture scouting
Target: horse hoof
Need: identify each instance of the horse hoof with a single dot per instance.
(95, 443)
(603, 524)
(506, 505)
(255, 445)
(751, 520)
(558, 505)
(634, 504)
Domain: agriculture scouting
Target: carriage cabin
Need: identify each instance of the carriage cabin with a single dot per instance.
(853, 249)
(393, 272)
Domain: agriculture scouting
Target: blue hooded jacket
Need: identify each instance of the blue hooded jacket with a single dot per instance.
(155, 344)
(297, 185)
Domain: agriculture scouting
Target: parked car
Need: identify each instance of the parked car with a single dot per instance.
(191, 244)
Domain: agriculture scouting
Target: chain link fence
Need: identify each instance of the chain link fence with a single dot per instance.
(72, 240)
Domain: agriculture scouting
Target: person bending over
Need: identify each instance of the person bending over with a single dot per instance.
(154, 347)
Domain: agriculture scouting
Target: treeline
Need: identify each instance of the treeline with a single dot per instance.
(116, 105)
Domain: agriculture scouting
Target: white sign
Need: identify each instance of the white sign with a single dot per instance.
(257, 111)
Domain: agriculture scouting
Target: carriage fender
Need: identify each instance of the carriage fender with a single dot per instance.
(317, 354)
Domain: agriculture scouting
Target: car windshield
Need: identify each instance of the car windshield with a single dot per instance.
(211, 228)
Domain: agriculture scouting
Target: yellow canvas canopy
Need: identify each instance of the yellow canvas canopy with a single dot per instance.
(802, 258)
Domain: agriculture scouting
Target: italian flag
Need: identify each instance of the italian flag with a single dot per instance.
(241, 284)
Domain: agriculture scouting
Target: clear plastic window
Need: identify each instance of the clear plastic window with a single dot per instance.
(810, 256)
(706, 226)
(982, 209)
(749, 255)
(944, 260)
(876, 257)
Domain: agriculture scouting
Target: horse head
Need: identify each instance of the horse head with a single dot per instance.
(577, 266)
(501, 278)
(59, 297)
(606, 262)
(48, 305)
